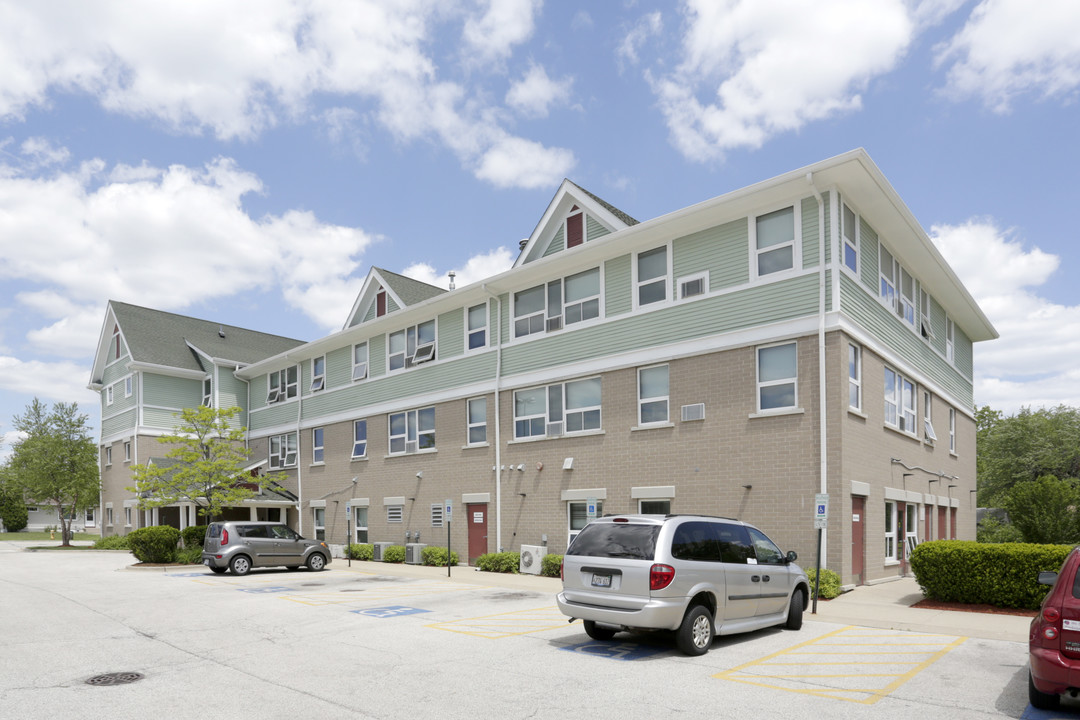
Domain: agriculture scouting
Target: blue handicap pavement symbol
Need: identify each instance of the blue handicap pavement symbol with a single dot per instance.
(615, 651)
(389, 611)
(266, 590)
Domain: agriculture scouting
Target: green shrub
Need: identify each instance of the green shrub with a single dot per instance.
(13, 511)
(1002, 574)
(154, 544)
(551, 565)
(394, 554)
(830, 583)
(435, 555)
(189, 555)
(193, 536)
(504, 562)
(113, 542)
(360, 551)
(993, 530)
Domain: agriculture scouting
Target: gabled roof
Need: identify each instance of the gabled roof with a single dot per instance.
(403, 291)
(168, 340)
(566, 197)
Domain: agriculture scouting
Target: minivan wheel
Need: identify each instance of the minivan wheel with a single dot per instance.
(1039, 699)
(795, 610)
(240, 565)
(316, 562)
(597, 632)
(695, 635)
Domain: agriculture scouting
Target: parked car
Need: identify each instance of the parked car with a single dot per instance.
(1054, 637)
(239, 546)
(696, 575)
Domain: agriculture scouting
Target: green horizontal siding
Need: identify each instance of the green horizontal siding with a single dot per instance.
(868, 257)
(558, 243)
(232, 392)
(593, 229)
(377, 356)
(120, 423)
(161, 418)
(723, 251)
(279, 414)
(339, 367)
(617, 295)
(810, 239)
(115, 371)
(451, 334)
(172, 392)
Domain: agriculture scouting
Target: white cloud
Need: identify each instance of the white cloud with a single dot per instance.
(476, 268)
(515, 162)
(57, 381)
(1010, 48)
(646, 28)
(751, 69)
(165, 239)
(235, 72)
(1033, 363)
(535, 93)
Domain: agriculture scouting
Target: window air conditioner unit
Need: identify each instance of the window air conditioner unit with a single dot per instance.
(410, 446)
(380, 551)
(531, 556)
(412, 553)
(554, 429)
(690, 288)
(693, 412)
(554, 323)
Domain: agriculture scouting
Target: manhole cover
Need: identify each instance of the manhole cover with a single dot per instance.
(117, 678)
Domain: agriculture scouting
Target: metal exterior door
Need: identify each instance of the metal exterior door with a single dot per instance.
(476, 518)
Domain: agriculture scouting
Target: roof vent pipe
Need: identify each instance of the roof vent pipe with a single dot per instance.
(452, 275)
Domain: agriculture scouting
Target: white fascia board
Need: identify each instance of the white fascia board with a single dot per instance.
(166, 370)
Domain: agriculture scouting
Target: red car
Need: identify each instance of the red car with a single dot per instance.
(1054, 639)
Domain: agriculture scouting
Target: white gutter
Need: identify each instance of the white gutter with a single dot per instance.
(498, 425)
(822, 376)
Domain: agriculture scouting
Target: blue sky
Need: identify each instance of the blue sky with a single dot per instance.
(248, 162)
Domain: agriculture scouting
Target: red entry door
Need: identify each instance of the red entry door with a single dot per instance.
(476, 518)
(858, 538)
(941, 522)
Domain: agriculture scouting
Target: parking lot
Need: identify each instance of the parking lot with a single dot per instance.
(377, 641)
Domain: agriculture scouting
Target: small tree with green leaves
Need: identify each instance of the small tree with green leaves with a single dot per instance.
(56, 461)
(1045, 510)
(13, 513)
(205, 464)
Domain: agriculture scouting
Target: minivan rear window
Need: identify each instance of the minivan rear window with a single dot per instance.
(610, 540)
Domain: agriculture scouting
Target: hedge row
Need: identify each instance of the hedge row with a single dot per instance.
(506, 562)
(154, 544)
(509, 562)
(1002, 574)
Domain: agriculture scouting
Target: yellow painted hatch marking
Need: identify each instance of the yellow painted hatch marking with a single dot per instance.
(507, 624)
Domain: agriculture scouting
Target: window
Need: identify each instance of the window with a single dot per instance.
(911, 527)
(109, 516)
(765, 549)
(897, 286)
(282, 451)
(282, 385)
(928, 424)
(360, 361)
(850, 231)
(477, 421)
(88, 518)
(554, 410)
(890, 530)
(320, 523)
(777, 376)
(394, 513)
(318, 373)
(899, 402)
(208, 392)
(906, 309)
(925, 327)
(477, 317)
(582, 297)
(654, 507)
(317, 445)
(529, 311)
(693, 285)
(359, 448)
(887, 274)
(541, 308)
(360, 526)
(653, 395)
(128, 382)
(652, 276)
(578, 517)
(127, 516)
(575, 227)
(952, 430)
(854, 377)
(108, 456)
(774, 235)
(412, 431)
(380, 303)
(127, 451)
(412, 346)
(436, 515)
(109, 395)
(950, 340)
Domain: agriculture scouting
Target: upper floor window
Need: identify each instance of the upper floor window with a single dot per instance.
(477, 421)
(360, 361)
(109, 395)
(887, 276)
(317, 446)
(950, 340)
(477, 318)
(318, 373)
(652, 276)
(575, 227)
(855, 377)
(850, 232)
(897, 286)
(208, 392)
(128, 384)
(928, 423)
(653, 395)
(412, 346)
(282, 451)
(359, 448)
(774, 235)
(412, 431)
(542, 307)
(899, 402)
(553, 410)
(282, 385)
(777, 371)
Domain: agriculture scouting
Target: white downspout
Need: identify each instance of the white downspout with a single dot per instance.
(498, 425)
(299, 453)
(823, 414)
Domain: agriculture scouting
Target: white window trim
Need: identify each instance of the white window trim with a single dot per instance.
(855, 381)
(208, 392)
(360, 370)
(548, 422)
(129, 383)
(427, 350)
(926, 326)
(486, 328)
(127, 451)
(545, 312)
(281, 459)
(702, 276)
(357, 527)
(902, 411)
(929, 436)
(318, 380)
(109, 395)
(317, 447)
(796, 251)
(636, 283)
(353, 454)
(950, 341)
(652, 399)
(108, 456)
(390, 435)
(952, 430)
(771, 383)
(890, 508)
(855, 240)
(281, 392)
(316, 527)
(469, 425)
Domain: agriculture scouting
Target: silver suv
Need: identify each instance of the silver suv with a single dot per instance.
(241, 545)
(694, 574)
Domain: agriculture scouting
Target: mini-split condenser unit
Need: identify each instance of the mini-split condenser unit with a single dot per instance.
(412, 553)
(531, 555)
(380, 549)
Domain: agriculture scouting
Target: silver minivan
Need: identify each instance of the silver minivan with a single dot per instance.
(239, 546)
(696, 575)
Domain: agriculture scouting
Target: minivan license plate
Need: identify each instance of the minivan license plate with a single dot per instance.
(601, 580)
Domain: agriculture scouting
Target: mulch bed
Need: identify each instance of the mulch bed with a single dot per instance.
(928, 604)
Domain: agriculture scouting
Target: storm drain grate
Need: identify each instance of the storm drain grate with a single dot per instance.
(117, 678)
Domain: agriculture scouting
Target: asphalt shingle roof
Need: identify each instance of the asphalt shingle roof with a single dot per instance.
(409, 290)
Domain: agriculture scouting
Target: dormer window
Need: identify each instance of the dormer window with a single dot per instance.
(575, 227)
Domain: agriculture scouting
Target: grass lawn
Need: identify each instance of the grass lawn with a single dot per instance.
(28, 536)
